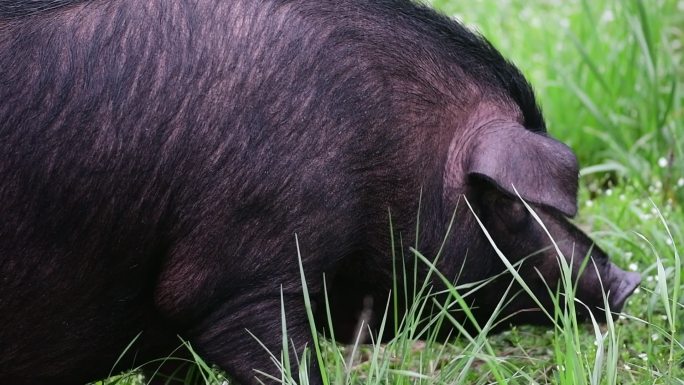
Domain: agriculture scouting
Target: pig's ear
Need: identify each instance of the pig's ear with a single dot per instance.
(543, 170)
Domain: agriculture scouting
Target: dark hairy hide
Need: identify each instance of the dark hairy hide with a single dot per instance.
(158, 157)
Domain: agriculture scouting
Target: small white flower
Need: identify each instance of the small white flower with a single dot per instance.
(627, 367)
(654, 337)
(637, 290)
(643, 356)
(680, 182)
(649, 278)
(658, 184)
(622, 197)
(590, 203)
(633, 266)
(609, 192)
(662, 162)
(668, 241)
(607, 16)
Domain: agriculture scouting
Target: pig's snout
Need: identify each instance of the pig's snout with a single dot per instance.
(622, 285)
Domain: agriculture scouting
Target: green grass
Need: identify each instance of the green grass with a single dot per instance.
(609, 76)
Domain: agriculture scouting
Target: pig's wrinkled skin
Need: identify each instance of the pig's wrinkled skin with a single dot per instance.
(157, 158)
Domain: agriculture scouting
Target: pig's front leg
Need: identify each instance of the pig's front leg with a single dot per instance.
(222, 298)
(228, 337)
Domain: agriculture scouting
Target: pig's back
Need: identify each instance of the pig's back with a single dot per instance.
(125, 127)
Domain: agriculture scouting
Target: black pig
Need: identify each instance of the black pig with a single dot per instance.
(157, 158)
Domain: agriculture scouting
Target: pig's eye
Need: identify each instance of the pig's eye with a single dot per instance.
(518, 210)
(513, 213)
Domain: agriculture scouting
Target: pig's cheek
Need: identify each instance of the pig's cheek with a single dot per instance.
(547, 272)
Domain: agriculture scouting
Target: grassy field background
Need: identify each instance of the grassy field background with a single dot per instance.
(610, 80)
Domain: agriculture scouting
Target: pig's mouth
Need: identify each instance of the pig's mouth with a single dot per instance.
(622, 285)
